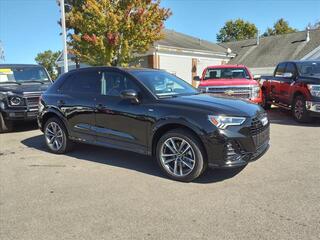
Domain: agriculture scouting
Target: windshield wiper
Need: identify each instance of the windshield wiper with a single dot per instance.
(10, 82)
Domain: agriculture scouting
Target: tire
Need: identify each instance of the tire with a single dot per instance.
(299, 110)
(265, 103)
(178, 164)
(5, 125)
(56, 136)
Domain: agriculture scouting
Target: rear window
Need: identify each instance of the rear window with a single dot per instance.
(226, 73)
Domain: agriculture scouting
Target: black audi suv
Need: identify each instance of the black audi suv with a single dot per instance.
(155, 113)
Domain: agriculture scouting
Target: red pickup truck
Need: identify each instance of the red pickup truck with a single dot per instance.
(295, 85)
(230, 80)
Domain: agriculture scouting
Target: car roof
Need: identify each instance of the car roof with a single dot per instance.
(19, 65)
(227, 66)
(125, 69)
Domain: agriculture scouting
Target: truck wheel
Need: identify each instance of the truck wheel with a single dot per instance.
(5, 125)
(180, 155)
(299, 110)
(265, 103)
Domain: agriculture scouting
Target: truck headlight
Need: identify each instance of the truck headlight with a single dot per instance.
(255, 92)
(15, 101)
(223, 122)
(314, 90)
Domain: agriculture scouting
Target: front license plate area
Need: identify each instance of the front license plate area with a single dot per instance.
(260, 138)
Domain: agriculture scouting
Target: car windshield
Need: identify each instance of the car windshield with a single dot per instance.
(309, 68)
(164, 84)
(226, 73)
(23, 74)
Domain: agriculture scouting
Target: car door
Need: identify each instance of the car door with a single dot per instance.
(77, 102)
(275, 84)
(286, 82)
(120, 122)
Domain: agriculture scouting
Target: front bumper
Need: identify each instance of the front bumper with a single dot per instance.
(237, 145)
(20, 114)
(313, 108)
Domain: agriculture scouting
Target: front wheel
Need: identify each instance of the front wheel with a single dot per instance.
(265, 103)
(5, 125)
(180, 155)
(56, 136)
(299, 109)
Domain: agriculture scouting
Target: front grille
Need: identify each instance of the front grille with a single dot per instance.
(238, 92)
(260, 133)
(32, 101)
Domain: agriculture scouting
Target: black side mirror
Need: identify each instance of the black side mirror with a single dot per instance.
(196, 78)
(130, 94)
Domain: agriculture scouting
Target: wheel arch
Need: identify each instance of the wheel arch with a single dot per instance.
(168, 126)
(50, 114)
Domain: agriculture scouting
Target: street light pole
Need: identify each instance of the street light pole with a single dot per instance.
(64, 37)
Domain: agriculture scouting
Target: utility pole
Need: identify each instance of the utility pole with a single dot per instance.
(2, 58)
(64, 37)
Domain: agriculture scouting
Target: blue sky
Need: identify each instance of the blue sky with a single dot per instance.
(30, 26)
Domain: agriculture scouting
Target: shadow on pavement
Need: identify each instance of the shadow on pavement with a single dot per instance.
(129, 160)
(284, 117)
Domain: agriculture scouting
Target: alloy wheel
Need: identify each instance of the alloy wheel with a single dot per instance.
(54, 136)
(177, 156)
(298, 109)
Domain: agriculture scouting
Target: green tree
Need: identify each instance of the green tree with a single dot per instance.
(280, 27)
(48, 59)
(112, 32)
(236, 30)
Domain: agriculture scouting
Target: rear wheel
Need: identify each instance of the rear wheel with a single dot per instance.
(5, 125)
(180, 155)
(299, 110)
(265, 103)
(56, 136)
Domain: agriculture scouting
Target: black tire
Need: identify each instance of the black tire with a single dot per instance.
(265, 103)
(5, 125)
(66, 143)
(299, 110)
(200, 162)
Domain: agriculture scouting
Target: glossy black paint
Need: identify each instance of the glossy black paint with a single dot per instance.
(136, 126)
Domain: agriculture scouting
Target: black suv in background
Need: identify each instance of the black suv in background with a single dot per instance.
(20, 88)
(155, 113)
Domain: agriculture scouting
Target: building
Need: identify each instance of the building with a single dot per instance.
(177, 53)
(262, 55)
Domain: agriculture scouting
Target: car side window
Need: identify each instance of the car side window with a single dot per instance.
(280, 70)
(113, 83)
(82, 82)
(291, 69)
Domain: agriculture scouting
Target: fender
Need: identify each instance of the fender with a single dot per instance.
(52, 110)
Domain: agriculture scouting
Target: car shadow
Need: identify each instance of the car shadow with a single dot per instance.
(23, 126)
(284, 117)
(128, 160)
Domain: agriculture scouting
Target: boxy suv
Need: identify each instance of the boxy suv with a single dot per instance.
(155, 113)
(20, 88)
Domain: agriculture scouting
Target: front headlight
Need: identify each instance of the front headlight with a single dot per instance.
(255, 92)
(223, 122)
(15, 101)
(314, 90)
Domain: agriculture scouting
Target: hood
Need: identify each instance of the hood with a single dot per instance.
(218, 105)
(24, 88)
(227, 82)
(315, 79)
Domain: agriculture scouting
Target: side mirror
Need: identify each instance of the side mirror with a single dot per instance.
(256, 77)
(196, 78)
(130, 94)
(287, 75)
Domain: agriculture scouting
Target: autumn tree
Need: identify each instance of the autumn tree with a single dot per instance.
(48, 59)
(236, 30)
(280, 27)
(112, 32)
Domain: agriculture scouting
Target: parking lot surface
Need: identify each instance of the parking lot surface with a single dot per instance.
(99, 193)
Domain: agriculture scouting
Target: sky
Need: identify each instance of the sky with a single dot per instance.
(28, 27)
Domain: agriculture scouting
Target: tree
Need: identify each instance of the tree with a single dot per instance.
(236, 30)
(112, 32)
(48, 59)
(280, 27)
(316, 25)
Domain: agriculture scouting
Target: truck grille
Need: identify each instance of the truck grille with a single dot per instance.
(32, 101)
(238, 92)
